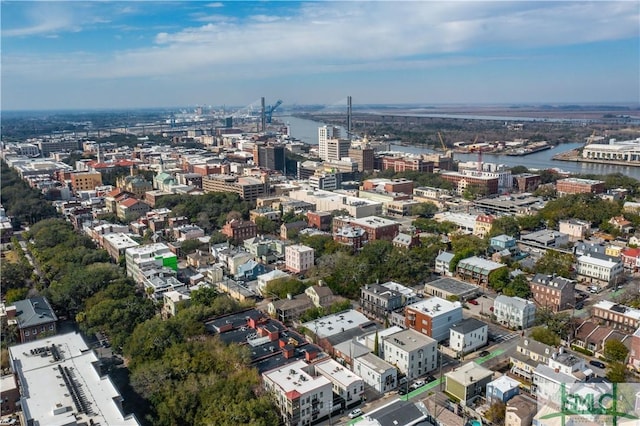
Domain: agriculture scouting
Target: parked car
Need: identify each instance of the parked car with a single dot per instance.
(473, 302)
(402, 390)
(355, 413)
(484, 353)
(417, 384)
(598, 364)
(430, 379)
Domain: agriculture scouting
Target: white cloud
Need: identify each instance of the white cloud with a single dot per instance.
(215, 5)
(341, 36)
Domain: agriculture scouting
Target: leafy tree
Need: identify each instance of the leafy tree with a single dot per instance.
(518, 170)
(14, 275)
(265, 225)
(376, 345)
(519, 286)
(615, 350)
(554, 262)
(529, 222)
(424, 210)
(616, 372)
(499, 279)
(508, 225)
(203, 296)
(15, 294)
(546, 336)
(560, 324)
(283, 286)
(190, 246)
(496, 413)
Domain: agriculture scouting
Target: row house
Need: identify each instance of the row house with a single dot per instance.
(592, 336)
(605, 272)
(553, 292)
(514, 312)
(618, 316)
(378, 301)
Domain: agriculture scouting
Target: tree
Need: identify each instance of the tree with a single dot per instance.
(499, 279)
(555, 262)
(546, 336)
(203, 296)
(507, 225)
(376, 345)
(424, 210)
(189, 246)
(496, 413)
(284, 286)
(265, 225)
(616, 372)
(15, 294)
(519, 286)
(615, 350)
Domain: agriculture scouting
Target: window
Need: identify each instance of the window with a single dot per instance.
(26, 333)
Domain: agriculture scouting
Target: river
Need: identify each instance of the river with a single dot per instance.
(307, 131)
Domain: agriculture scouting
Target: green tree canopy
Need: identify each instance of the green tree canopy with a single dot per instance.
(555, 262)
(544, 335)
(615, 350)
(283, 286)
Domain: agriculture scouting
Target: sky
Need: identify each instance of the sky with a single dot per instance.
(131, 54)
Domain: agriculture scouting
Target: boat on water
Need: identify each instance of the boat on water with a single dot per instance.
(530, 149)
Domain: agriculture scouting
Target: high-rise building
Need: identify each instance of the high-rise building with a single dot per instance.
(325, 133)
(270, 156)
(364, 158)
(336, 149)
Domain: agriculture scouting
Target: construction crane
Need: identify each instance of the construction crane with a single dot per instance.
(591, 138)
(268, 112)
(444, 147)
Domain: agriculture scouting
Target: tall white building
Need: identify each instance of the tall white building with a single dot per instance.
(412, 352)
(325, 133)
(298, 258)
(514, 312)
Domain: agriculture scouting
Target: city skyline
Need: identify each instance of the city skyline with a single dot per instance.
(75, 55)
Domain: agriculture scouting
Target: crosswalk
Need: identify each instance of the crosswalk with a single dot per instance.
(505, 337)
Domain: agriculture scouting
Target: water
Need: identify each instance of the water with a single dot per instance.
(307, 131)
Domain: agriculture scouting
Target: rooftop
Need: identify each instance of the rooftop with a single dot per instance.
(335, 372)
(478, 263)
(336, 323)
(293, 377)
(452, 285)
(434, 306)
(504, 383)
(53, 369)
(469, 373)
(34, 312)
(409, 340)
(468, 325)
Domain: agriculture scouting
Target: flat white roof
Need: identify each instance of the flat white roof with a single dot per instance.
(336, 323)
(373, 221)
(293, 377)
(596, 261)
(333, 369)
(504, 383)
(120, 240)
(375, 363)
(44, 388)
(469, 373)
(150, 249)
(620, 309)
(435, 306)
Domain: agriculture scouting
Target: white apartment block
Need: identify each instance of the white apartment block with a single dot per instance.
(345, 382)
(149, 257)
(116, 244)
(301, 397)
(377, 373)
(412, 352)
(514, 312)
(327, 201)
(599, 270)
(60, 384)
(468, 335)
(298, 258)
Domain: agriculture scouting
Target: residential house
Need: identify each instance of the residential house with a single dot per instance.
(298, 258)
(377, 373)
(553, 292)
(130, 209)
(378, 301)
(596, 270)
(33, 317)
(354, 238)
(547, 382)
(568, 363)
(406, 241)
(468, 335)
(443, 261)
(265, 279)
(9, 394)
(173, 301)
(433, 317)
(483, 225)
(345, 383)
(200, 259)
(575, 229)
(413, 353)
(320, 294)
(520, 411)
(630, 258)
(250, 270)
(477, 270)
(617, 316)
(290, 308)
(530, 353)
(467, 382)
(288, 230)
(502, 389)
(501, 242)
(514, 312)
(621, 224)
(239, 230)
(634, 351)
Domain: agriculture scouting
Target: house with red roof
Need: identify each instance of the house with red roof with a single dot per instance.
(629, 257)
(130, 209)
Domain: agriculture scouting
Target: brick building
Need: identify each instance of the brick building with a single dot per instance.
(579, 186)
(239, 230)
(377, 228)
(553, 292)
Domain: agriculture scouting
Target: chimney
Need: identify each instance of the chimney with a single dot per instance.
(11, 312)
(289, 296)
(557, 370)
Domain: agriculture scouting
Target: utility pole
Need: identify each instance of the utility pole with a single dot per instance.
(440, 349)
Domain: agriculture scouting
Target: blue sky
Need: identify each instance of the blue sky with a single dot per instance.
(85, 54)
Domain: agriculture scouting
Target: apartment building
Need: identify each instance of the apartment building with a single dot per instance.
(85, 181)
(579, 186)
(248, 188)
(377, 228)
(412, 352)
(377, 373)
(116, 244)
(433, 317)
(617, 316)
(598, 270)
(143, 260)
(345, 383)
(301, 396)
(553, 292)
(298, 258)
(514, 312)
(239, 230)
(378, 301)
